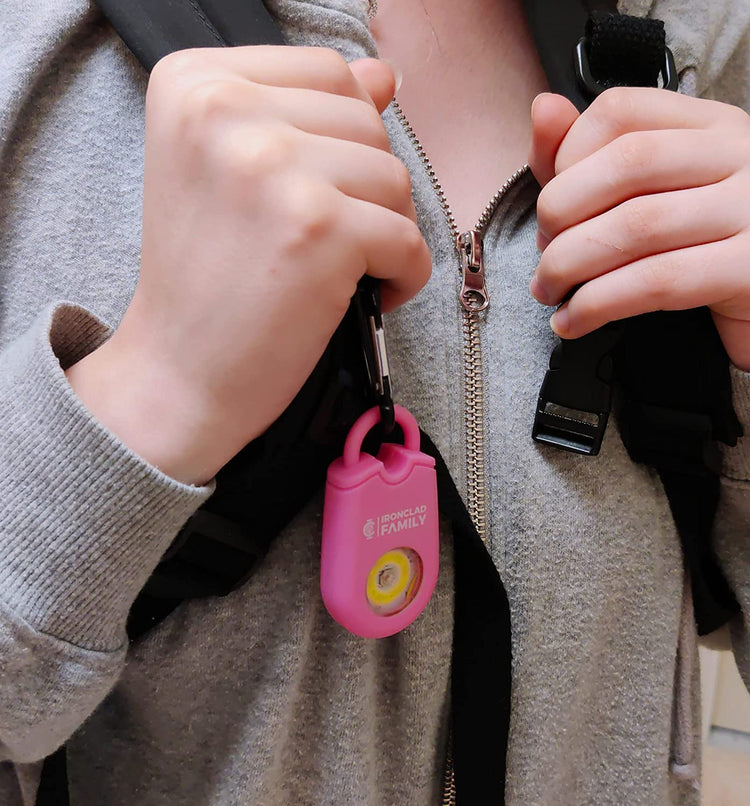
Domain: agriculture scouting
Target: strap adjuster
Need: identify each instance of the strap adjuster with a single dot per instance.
(592, 87)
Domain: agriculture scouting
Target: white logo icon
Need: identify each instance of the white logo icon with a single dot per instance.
(369, 529)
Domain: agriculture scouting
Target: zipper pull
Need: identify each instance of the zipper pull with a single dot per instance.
(473, 295)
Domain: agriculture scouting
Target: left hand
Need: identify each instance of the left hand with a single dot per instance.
(645, 206)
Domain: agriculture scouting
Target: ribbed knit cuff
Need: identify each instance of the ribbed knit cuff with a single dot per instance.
(737, 460)
(83, 520)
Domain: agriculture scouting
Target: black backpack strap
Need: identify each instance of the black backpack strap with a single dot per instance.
(672, 366)
(154, 28)
(585, 48)
(676, 407)
(481, 661)
(53, 784)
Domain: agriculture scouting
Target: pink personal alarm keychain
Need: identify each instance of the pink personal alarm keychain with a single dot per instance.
(380, 546)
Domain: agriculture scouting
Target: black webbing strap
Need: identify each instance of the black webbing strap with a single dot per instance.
(672, 365)
(481, 662)
(676, 407)
(154, 28)
(53, 785)
(576, 396)
(625, 51)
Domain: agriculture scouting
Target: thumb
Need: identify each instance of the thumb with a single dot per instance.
(551, 118)
(377, 79)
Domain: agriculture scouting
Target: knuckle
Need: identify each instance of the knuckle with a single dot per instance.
(401, 179)
(416, 251)
(375, 128)
(552, 265)
(549, 210)
(245, 159)
(208, 103)
(658, 276)
(268, 149)
(613, 108)
(634, 153)
(336, 71)
(737, 116)
(177, 66)
(640, 222)
(310, 214)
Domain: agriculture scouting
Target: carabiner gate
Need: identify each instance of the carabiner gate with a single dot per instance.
(367, 301)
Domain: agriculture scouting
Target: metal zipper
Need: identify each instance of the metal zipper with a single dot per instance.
(474, 299)
(449, 778)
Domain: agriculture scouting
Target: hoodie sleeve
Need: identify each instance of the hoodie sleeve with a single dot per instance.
(83, 522)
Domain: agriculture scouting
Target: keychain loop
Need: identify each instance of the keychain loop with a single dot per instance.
(360, 429)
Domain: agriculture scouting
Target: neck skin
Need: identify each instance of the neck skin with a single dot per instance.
(470, 72)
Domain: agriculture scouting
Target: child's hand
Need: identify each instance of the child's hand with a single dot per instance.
(646, 206)
(270, 189)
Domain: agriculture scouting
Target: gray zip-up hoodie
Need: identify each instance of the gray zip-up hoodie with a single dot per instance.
(260, 698)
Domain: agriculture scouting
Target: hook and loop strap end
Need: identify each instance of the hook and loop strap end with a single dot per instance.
(623, 51)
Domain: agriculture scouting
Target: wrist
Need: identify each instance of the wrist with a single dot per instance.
(152, 410)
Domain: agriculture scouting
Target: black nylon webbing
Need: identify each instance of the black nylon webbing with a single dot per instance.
(154, 28)
(625, 51)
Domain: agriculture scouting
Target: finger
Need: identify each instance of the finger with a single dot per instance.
(626, 109)
(362, 172)
(686, 278)
(310, 68)
(636, 229)
(377, 78)
(551, 117)
(635, 164)
(735, 335)
(393, 248)
(329, 115)
(310, 111)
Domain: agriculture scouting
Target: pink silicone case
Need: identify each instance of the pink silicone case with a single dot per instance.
(360, 490)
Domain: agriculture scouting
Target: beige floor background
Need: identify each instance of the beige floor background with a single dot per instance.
(726, 731)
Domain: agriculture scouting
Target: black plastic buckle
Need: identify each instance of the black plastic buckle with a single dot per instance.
(576, 396)
(590, 85)
(367, 302)
(569, 429)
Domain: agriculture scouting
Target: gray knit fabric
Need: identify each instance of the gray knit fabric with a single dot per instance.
(259, 698)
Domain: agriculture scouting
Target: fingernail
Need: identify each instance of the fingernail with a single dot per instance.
(397, 74)
(560, 320)
(535, 287)
(533, 103)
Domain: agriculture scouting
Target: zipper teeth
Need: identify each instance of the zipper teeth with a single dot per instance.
(449, 778)
(439, 192)
(473, 380)
(494, 202)
(474, 420)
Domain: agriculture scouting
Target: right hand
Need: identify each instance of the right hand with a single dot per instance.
(269, 191)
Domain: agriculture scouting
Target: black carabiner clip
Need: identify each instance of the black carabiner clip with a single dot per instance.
(367, 303)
